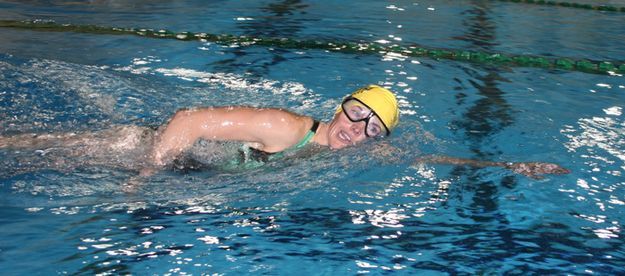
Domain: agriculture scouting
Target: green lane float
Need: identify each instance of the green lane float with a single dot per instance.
(569, 5)
(582, 65)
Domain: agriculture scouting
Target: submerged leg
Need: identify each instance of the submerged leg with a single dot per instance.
(119, 146)
(36, 140)
(118, 137)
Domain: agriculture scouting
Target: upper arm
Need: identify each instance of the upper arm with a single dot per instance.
(271, 130)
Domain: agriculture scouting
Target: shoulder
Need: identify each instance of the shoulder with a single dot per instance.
(279, 115)
(259, 114)
(279, 128)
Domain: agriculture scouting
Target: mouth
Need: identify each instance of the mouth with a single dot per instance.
(344, 137)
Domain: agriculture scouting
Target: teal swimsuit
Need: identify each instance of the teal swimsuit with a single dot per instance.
(247, 157)
(252, 155)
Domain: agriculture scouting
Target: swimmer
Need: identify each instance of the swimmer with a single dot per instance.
(371, 112)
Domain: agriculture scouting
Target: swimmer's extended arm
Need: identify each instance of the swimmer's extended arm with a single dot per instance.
(271, 129)
(530, 169)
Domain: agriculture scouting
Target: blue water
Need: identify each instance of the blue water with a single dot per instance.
(361, 210)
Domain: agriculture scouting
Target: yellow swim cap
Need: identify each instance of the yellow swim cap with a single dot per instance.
(381, 101)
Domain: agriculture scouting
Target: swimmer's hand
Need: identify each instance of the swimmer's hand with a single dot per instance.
(535, 169)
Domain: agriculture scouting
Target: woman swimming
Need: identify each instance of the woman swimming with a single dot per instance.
(370, 112)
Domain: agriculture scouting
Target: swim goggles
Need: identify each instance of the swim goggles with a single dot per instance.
(357, 111)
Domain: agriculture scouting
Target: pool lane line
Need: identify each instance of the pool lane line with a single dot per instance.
(568, 5)
(488, 58)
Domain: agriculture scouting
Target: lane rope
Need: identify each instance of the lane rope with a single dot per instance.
(512, 60)
(569, 5)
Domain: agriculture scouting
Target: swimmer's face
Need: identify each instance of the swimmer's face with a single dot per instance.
(342, 132)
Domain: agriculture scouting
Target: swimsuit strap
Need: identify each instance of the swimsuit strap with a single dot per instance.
(314, 127)
(309, 135)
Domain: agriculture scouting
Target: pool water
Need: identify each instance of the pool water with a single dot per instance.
(367, 209)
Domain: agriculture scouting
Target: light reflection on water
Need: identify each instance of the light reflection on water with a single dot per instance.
(600, 143)
(366, 209)
(238, 221)
(213, 215)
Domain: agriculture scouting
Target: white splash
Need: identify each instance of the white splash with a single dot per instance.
(583, 184)
(390, 56)
(364, 264)
(102, 246)
(605, 85)
(209, 240)
(615, 110)
(234, 81)
(607, 233)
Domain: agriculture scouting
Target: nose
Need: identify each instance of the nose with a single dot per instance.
(358, 128)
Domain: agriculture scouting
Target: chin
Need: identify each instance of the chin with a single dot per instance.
(335, 142)
(335, 145)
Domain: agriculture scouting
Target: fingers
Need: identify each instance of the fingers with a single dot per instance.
(550, 168)
(562, 170)
(536, 169)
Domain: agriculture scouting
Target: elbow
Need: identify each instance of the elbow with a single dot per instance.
(182, 112)
(180, 115)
